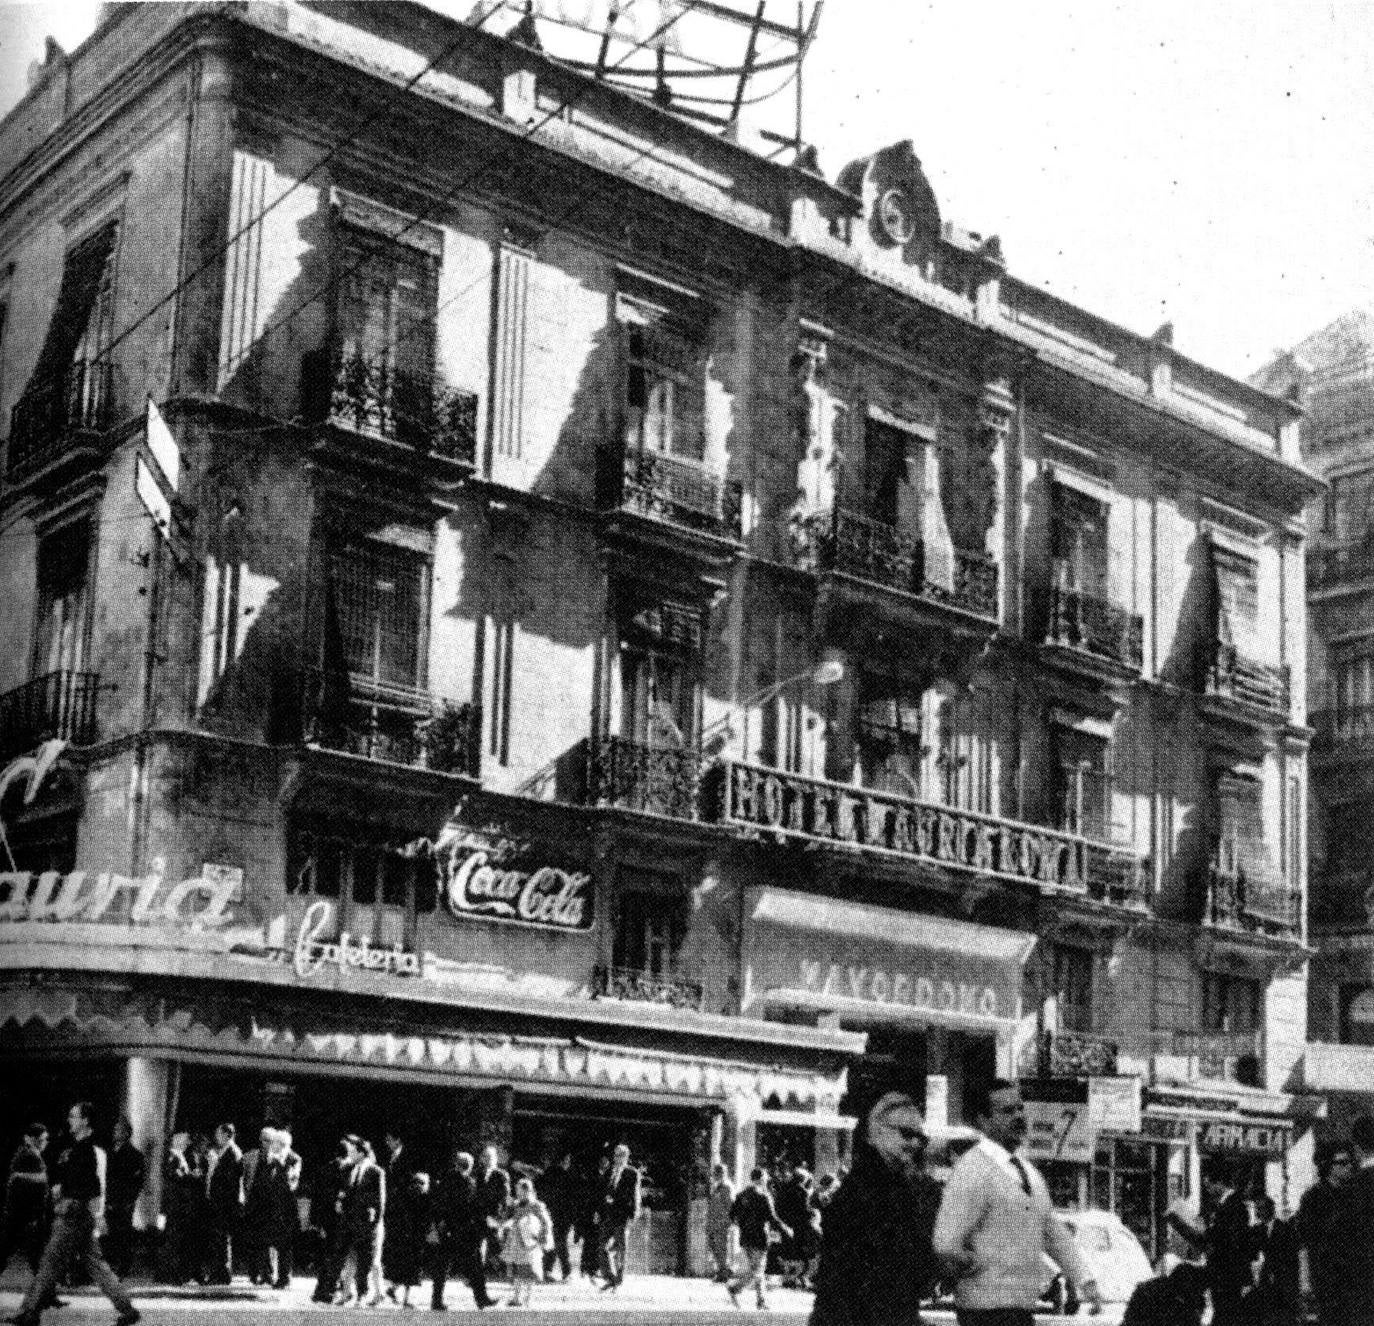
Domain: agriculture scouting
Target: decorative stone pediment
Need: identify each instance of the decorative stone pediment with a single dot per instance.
(902, 218)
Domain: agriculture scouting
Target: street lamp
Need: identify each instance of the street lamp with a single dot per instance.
(827, 672)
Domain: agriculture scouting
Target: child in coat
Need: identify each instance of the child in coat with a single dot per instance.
(526, 1235)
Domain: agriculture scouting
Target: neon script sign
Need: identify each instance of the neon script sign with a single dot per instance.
(89, 896)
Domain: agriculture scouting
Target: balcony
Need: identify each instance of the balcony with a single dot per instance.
(656, 780)
(842, 815)
(1336, 565)
(392, 724)
(1096, 627)
(1078, 1054)
(59, 420)
(846, 543)
(643, 987)
(1348, 726)
(1240, 905)
(55, 705)
(672, 493)
(1233, 678)
(374, 399)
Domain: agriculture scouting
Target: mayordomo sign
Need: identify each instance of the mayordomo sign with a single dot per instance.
(488, 876)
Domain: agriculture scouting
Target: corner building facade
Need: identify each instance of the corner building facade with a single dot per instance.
(607, 635)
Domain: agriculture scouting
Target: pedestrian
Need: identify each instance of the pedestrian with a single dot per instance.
(78, 1198)
(1353, 1243)
(1318, 1232)
(759, 1227)
(996, 1223)
(558, 1189)
(278, 1221)
(619, 1205)
(253, 1246)
(126, 1172)
(1177, 1298)
(24, 1227)
(331, 1207)
(493, 1191)
(589, 1218)
(1232, 1244)
(397, 1254)
(176, 1261)
(364, 1215)
(794, 1210)
(877, 1262)
(526, 1237)
(461, 1229)
(1277, 1295)
(408, 1224)
(720, 1233)
(224, 1196)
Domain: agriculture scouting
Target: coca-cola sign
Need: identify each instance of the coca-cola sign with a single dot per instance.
(492, 877)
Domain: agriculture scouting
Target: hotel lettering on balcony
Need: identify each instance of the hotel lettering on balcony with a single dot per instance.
(671, 668)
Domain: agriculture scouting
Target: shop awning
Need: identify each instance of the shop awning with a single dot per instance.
(869, 964)
(845, 1123)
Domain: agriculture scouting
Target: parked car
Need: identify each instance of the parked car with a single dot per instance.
(1110, 1251)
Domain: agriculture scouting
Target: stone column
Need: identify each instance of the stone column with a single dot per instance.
(146, 1101)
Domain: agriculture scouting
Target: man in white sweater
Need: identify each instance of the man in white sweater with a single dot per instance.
(996, 1220)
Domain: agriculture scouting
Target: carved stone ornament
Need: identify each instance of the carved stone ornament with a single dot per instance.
(898, 201)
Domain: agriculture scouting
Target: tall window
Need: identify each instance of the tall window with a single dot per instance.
(377, 889)
(1071, 979)
(380, 598)
(890, 732)
(63, 600)
(885, 473)
(1078, 541)
(649, 931)
(665, 380)
(1241, 848)
(386, 329)
(1229, 1002)
(660, 670)
(1084, 783)
(1236, 581)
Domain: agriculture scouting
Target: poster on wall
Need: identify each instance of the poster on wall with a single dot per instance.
(1060, 1130)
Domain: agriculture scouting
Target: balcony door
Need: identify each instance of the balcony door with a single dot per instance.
(379, 595)
(649, 930)
(386, 335)
(1078, 541)
(61, 640)
(1084, 791)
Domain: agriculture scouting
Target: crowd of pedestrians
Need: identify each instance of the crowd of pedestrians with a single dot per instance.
(873, 1243)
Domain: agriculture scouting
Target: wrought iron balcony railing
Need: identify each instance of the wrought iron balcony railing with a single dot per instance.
(633, 775)
(1117, 875)
(1095, 626)
(870, 550)
(1078, 1054)
(394, 724)
(1334, 726)
(416, 409)
(50, 414)
(1232, 676)
(1254, 906)
(672, 490)
(57, 704)
(1333, 564)
(644, 987)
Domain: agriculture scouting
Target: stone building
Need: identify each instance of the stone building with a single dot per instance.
(1331, 373)
(567, 629)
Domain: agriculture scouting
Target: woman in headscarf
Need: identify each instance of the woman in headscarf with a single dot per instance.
(876, 1258)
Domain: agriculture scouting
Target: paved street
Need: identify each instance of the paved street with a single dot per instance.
(662, 1300)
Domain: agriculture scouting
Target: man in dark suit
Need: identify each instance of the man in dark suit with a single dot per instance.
(224, 1194)
(462, 1228)
(493, 1194)
(25, 1223)
(619, 1205)
(127, 1172)
(1232, 1244)
(1353, 1247)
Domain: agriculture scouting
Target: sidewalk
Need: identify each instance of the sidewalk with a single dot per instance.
(661, 1299)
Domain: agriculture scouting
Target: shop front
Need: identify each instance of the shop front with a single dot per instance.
(939, 1000)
